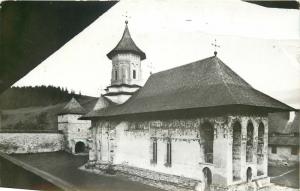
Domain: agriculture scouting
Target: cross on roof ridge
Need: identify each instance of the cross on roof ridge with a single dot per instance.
(126, 17)
(216, 46)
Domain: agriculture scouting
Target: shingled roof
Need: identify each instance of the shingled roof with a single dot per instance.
(206, 83)
(126, 45)
(284, 140)
(73, 107)
(279, 123)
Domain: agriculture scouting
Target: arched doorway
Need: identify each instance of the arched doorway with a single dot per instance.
(249, 144)
(249, 174)
(79, 147)
(207, 178)
(236, 150)
(207, 141)
(260, 149)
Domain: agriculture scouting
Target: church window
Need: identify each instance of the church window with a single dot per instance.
(236, 150)
(169, 153)
(249, 143)
(260, 145)
(207, 141)
(134, 74)
(116, 75)
(274, 149)
(154, 151)
(294, 150)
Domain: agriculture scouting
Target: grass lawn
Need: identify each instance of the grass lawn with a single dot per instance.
(290, 179)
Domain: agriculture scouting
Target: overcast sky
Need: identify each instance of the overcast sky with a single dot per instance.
(261, 44)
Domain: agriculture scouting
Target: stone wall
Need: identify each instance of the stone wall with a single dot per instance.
(31, 142)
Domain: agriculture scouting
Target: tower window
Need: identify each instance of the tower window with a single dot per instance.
(274, 149)
(116, 75)
(134, 74)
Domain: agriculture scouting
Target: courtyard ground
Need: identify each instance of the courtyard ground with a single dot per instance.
(65, 167)
(284, 176)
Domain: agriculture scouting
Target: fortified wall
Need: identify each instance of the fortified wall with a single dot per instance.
(31, 142)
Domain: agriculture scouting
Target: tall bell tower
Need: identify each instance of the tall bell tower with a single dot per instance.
(126, 75)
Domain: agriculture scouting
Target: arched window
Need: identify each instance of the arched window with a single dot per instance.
(116, 75)
(169, 153)
(261, 132)
(154, 151)
(207, 140)
(249, 144)
(236, 150)
(260, 149)
(207, 178)
(134, 74)
(249, 174)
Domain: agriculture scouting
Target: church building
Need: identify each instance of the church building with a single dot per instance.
(198, 126)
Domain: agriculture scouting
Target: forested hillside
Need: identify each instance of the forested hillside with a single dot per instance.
(27, 109)
(19, 97)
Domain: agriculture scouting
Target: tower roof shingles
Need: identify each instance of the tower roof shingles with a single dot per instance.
(126, 45)
(73, 107)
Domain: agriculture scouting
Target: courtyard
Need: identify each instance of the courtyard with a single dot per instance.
(64, 166)
(284, 176)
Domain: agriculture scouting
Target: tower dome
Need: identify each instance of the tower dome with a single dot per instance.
(126, 45)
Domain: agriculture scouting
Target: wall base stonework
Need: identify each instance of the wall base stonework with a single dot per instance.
(172, 182)
(31, 142)
(254, 185)
(152, 178)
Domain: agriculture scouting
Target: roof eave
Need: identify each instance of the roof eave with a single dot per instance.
(112, 53)
(223, 108)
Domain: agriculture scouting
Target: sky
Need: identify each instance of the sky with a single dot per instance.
(261, 44)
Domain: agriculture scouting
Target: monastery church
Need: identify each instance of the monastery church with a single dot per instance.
(199, 126)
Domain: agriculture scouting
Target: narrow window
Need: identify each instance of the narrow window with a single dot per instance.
(294, 150)
(154, 154)
(274, 149)
(116, 75)
(134, 74)
(169, 153)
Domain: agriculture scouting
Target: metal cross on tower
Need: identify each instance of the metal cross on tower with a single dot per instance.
(216, 46)
(150, 67)
(126, 17)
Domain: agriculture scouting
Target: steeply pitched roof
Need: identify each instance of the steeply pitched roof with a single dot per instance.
(73, 107)
(206, 83)
(88, 104)
(295, 126)
(125, 45)
(103, 102)
(279, 123)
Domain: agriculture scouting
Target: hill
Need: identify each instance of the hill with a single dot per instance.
(19, 97)
(33, 109)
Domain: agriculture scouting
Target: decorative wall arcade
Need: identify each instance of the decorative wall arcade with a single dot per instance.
(217, 143)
